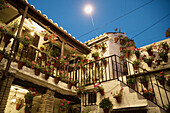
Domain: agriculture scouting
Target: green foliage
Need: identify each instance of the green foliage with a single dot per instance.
(105, 103)
(147, 60)
(147, 93)
(96, 54)
(161, 76)
(143, 79)
(149, 48)
(131, 81)
(63, 104)
(80, 89)
(136, 62)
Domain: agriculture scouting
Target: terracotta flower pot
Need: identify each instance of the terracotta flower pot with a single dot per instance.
(105, 62)
(119, 99)
(18, 106)
(6, 39)
(121, 49)
(37, 71)
(45, 37)
(56, 80)
(102, 92)
(116, 39)
(69, 85)
(137, 55)
(20, 64)
(106, 110)
(103, 49)
(46, 76)
(1, 56)
(149, 64)
(96, 58)
(165, 59)
(127, 55)
(150, 52)
(122, 41)
(135, 67)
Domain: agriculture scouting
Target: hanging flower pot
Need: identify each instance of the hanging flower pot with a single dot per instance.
(119, 99)
(116, 39)
(79, 95)
(37, 71)
(106, 110)
(45, 37)
(135, 67)
(18, 106)
(127, 55)
(96, 58)
(56, 80)
(105, 62)
(121, 49)
(137, 55)
(1, 56)
(102, 92)
(46, 76)
(162, 82)
(20, 64)
(149, 64)
(165, 59)
(69, 85)
(150, 52)
(7, 38)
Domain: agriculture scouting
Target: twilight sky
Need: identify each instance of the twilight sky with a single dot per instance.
(70, 15)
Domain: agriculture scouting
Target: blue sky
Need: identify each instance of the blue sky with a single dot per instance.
(71, 16)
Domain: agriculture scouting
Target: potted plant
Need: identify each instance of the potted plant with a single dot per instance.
(96, 46)
(131, 83)
(118, 95)
(73, 52)
(80, 90)
(136, 64)
(57, 79)
(165, 46)
(137, 52)
(26, 40)
(28, 108)
(161, 78)
(71, 82)
(30, 95)
(148, 94)
(150, 50)
(148, 60)
(164, 56)
(116, 39)
(143, 80)
(63, 105)
(103, 47)
(127, 52)
(158, 61)
(95, 55)
(106, 105)
(130, 44)
(19, 102)
(99, 88)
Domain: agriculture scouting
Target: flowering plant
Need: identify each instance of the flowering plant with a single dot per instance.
(31, 93)
(136, 62)
(136, 51)
(26, 40)
(149, 59)
(98, 88)
(147, 93)
(126, 50)
(63, 104)
(71, 81)
(105, 103)
(143, 79)
(103, 46)
(96, 54)
(161, 76)
(96, 46)
(164, 45)
(3, 4)
(149, 48)
(80, 89)
(129, 44)
(118, 94)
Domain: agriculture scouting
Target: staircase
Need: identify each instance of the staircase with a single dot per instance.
(112, 77)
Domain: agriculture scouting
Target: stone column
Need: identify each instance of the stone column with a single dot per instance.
(47, 102)
(4, 92)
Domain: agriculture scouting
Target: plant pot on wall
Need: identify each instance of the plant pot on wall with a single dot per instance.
(46, 76)
(6, 39)
(119, 99)
(20, 64)
(135, 67)
(69, 85)
(137, 55)
(37, 71)
(149, 64)
(116, 39)
(150, 52)
(56, 80)
(102, 92)
(106, 110)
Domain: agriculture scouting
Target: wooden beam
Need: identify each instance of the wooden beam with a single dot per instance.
(62, 49)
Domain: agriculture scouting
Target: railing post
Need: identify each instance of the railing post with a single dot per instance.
(116, 67)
